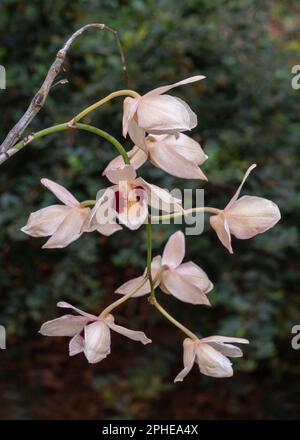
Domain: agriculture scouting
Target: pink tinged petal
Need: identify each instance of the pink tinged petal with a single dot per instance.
(182, 289)
(166, 158)
(165, 114)
(66, 305)
(129, 110)
(108, 229)
(187, 148)
(164, 89)
(236, 195)
(76, 345)
(69, 230)
(220, 225)
(225, 339)
(228, 350)
(137, 159)
(251, 215)
(131, 334)
(125, 174)
(196, 276)
(174, 250)
(45, 222)
(96, 341)
(102, 211)
(135, 215)
(189, 354)
(137, 135)
(67, 325)
(133, 284)
(158, 198)
(211, 362)
(60, 192)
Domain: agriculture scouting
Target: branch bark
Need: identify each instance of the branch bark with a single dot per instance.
(40, 97)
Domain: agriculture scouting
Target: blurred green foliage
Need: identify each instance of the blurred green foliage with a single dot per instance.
(247, 113)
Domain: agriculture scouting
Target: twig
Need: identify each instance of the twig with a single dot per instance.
(39, 99)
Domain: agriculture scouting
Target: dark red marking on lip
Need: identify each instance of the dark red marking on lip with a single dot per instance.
(121, 203)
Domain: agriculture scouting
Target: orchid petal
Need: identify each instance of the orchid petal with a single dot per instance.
(211, 362)
(163, 89)
(135, 215)
(251, 215)
(67, 325)
(131, 334)
(76, 345)
(96, 341)
(45, 222)
(237, 193)
(60, 192)
(137, 135)
(66, 305)
(125, 174)
(189, 354)
(129, 109)
(196, 276)
(220, 225)
(225, 339)
(69, 230)
(168, 159)
(174, 250)
(165, 114)
(137, 158)
(158, 198)
(183, 290)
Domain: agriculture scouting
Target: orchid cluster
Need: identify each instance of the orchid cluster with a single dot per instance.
(155, 123)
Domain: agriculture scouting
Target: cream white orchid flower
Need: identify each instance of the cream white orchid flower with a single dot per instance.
(90, 334)
(62, 222)
(244, 217)
(129, 198)
(186, 281)
(158, 113)
(178, 155)
(211, 354)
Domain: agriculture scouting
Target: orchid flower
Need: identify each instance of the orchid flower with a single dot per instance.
(129, 198)
(62, 222)
(177, 155)
(187, 281)
(157, 113)
(211, 354)
(90, 334)
(244, 217)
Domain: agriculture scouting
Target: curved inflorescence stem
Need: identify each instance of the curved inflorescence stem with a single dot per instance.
(102, 101)
(63, 127)
(155, 218)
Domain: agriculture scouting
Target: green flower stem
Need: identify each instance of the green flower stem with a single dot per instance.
(124, 298)
(62, 127)
(152, 297)
(184, 213)
(174, 321)
(106, 136)
(102, 101)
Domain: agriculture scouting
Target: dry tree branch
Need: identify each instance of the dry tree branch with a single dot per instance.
(40, 97)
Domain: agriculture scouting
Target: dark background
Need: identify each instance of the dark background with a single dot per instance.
(247, 112)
